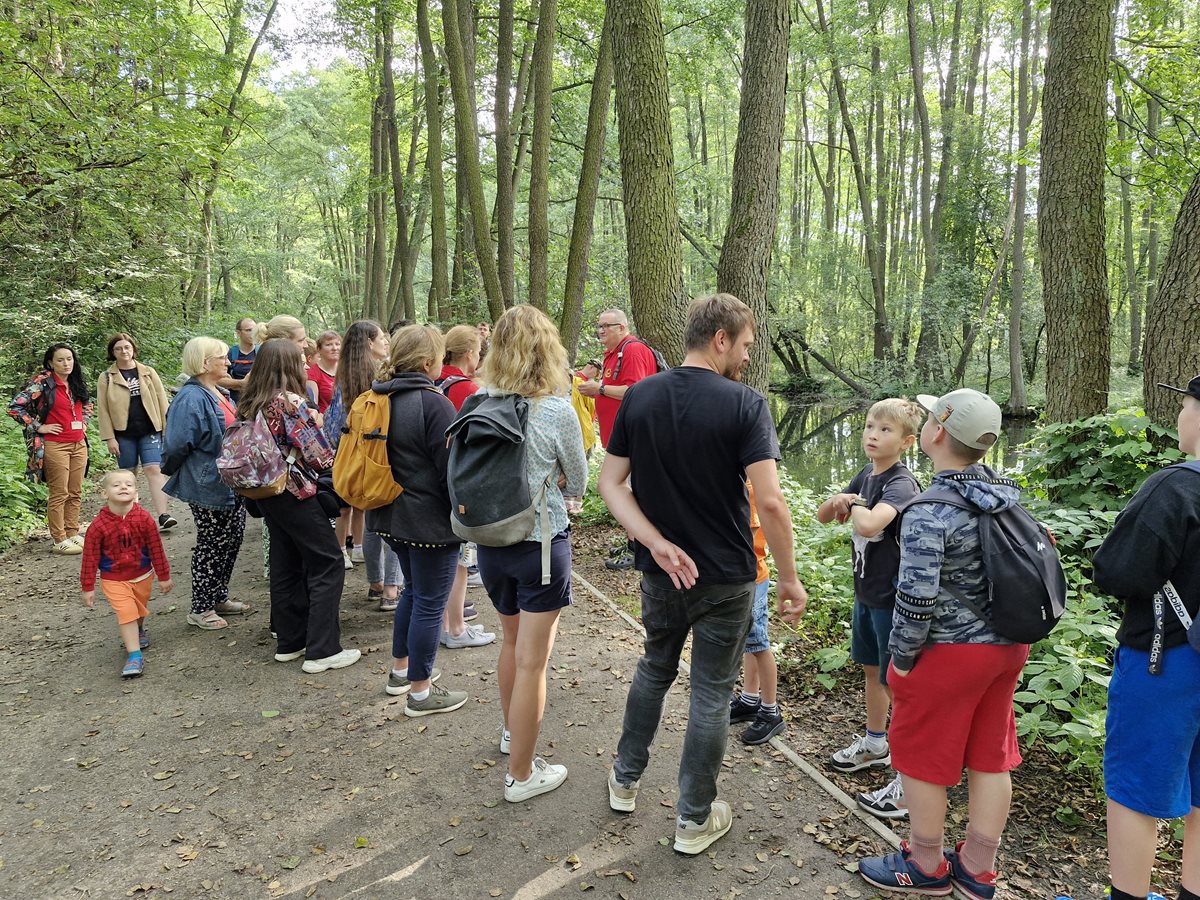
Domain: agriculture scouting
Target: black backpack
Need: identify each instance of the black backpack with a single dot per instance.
(490, 501)
(1026, 583)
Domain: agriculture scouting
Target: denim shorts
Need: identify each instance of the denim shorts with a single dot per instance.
(512, 576)
(146, 449)
(869, 633)
(757, 641)
(1152, 743)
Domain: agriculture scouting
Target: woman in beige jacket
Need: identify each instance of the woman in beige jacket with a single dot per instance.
(132, 405)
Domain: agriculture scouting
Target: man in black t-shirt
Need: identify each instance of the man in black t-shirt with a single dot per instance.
(687, 439)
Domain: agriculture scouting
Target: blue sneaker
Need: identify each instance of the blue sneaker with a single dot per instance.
(978, 887)
(897, 872)
(133, 667)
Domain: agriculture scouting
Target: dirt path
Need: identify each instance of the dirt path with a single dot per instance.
(222, 773)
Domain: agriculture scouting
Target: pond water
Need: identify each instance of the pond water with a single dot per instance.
(822, 444)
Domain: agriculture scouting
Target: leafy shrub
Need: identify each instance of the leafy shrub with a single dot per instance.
(1099, 462)
(21, 501)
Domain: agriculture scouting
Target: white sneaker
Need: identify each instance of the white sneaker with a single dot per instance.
(356, 554)
(474, 580)
(76, 539)
(346, 560)
(337, 661)
(544, 778)
(67, 547)
(621, 798)
(691, 838)
(472, 636)
(888, 802)
(859, 756)
(505, 740)
(289, 657)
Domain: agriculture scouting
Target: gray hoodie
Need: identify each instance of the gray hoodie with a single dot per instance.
(939, 543)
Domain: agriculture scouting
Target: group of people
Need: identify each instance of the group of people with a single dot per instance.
(691, 475)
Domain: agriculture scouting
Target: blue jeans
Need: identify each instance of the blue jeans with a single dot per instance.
(718, 618)
(428, 576)
(147, 449)
(382, 565)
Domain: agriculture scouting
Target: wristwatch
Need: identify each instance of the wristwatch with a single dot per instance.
(601, 390)
(859, 501)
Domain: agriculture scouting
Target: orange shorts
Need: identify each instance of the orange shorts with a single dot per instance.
(129, 599)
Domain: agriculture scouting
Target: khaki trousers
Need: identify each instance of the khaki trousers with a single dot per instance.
(64, 464)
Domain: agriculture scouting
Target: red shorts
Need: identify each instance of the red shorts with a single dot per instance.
(129, 599)
(955, 709)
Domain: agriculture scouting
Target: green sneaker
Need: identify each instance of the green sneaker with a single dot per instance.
(439, 700)
(398, 685)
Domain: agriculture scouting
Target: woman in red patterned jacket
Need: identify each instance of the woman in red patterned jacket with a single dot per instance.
(307, 573)
(55, 408)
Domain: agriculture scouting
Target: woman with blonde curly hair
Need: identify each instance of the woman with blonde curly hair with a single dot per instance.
(527, 358)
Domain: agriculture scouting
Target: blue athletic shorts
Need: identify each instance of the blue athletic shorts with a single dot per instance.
(869, 633)
(1152, 747)
(512, 576)
(146, 449)
(757, 641)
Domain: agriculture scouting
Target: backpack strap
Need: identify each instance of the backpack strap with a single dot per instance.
(621, 354)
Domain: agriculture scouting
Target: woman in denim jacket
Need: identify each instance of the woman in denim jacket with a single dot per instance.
(191, 444)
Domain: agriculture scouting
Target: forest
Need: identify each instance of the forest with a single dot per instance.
(911, 195)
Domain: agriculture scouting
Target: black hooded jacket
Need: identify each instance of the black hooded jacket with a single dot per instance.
(418, 454)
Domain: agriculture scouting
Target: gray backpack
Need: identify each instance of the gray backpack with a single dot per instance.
(490, 501)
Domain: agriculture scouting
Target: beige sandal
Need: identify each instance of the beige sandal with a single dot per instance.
(233, 608)
(208, 621)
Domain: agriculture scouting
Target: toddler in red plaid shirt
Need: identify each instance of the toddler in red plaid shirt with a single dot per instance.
(122, 543)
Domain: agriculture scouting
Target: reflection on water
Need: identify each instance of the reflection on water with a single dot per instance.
(822, 444)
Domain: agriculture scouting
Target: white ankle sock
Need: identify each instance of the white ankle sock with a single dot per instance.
(400, 673)
(420, 695)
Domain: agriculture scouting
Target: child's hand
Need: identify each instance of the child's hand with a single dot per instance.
(164, 587)
(89, 599)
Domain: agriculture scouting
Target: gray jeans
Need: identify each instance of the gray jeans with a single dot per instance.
(718, 617)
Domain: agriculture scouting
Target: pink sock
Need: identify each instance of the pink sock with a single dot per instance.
(978, 854)
(926, 852)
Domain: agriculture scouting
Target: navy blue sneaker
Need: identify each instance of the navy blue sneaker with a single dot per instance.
(742, 710)
(897, 872)
(979, 887)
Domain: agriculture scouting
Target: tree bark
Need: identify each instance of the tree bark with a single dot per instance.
(468, 158)
(655, 257)
(505, 200)
(1071, 213)
(754, 206)
(1172, 354)
(439, 287)
(539, 169)
(1018, 404)
(585, 197)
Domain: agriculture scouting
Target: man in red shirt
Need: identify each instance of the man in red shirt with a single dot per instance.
(627, 360)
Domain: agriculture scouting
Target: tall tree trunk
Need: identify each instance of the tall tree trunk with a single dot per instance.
(505, 200)
(1172, 354)
(875, 264)
(468, 157)
(585, 197)
(928, 342)
(1153, 112)
(539, 169)
(1071, 214)
(439, 287)
(1018, 404)
(882, 330)
(655, 258)
(1125, 174)
(754, 206)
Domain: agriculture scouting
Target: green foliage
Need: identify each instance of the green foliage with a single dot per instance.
(595, 511)
(1099, 462)
(21, 501)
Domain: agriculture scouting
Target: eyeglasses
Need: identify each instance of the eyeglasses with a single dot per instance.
(602, 326)
(221, 356)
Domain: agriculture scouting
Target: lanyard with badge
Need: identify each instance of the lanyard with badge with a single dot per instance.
(76, 409)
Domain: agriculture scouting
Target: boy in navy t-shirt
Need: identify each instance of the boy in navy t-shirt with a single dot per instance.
(872, 503)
